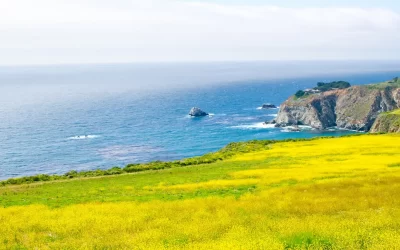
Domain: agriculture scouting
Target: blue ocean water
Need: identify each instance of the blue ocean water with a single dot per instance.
(59, 118)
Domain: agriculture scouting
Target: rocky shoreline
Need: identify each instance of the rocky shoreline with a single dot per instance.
(353, 108)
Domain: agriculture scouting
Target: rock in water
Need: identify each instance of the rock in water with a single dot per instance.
(268, 106)
(197, 112)
(270, 122)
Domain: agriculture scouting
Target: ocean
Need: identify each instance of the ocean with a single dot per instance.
(80, 117)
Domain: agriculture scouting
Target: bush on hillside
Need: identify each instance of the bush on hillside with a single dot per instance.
(322, 86)
(300, 93)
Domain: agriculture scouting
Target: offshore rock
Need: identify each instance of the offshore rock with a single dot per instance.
(268, 106)
(197, 112)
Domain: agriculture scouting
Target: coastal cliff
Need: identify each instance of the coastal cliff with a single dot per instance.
(388, 122)
(354, 108)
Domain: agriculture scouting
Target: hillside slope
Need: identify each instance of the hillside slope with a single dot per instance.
(336, 193)
(388, 122)
(354, 108)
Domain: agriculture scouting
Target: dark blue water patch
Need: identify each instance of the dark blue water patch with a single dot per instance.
(79, 125)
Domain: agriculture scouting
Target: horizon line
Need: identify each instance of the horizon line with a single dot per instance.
(190, 62)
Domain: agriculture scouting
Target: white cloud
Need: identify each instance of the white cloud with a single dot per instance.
(49, 31)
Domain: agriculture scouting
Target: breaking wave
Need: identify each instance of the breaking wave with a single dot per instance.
(83, 137)
(259, 125)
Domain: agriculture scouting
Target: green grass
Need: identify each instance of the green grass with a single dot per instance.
(307, 240)
(126, 187)
(225, 153)
(393, 112)
(394, 165)
(130, 186)
(394, 83)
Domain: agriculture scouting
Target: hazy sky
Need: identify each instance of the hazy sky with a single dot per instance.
(103, 31)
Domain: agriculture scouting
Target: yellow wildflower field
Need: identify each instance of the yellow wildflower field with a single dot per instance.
(328, 193)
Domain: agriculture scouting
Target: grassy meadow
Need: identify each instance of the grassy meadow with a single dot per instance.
(328, 193)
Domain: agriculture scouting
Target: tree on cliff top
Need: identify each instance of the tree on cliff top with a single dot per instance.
(322, 86)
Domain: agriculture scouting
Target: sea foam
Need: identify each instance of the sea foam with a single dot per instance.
(83, 137)
(259, 108)
(259, 125)
(289, 129)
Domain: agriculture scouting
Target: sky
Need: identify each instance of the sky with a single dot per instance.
(121, 31)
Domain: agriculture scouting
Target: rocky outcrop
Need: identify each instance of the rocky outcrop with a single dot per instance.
(354, 108)
(268, 106)
(388, 122)
(197, 112)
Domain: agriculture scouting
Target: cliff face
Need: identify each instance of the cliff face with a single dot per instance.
(387, 123)
(354, 108)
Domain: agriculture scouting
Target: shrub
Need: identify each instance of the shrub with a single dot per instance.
(300, 93)
(113, 171)
(321, 86)
(71, 174)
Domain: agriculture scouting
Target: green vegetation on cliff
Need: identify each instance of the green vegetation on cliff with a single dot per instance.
(323, 87)
(387, 122)
(394, 83)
